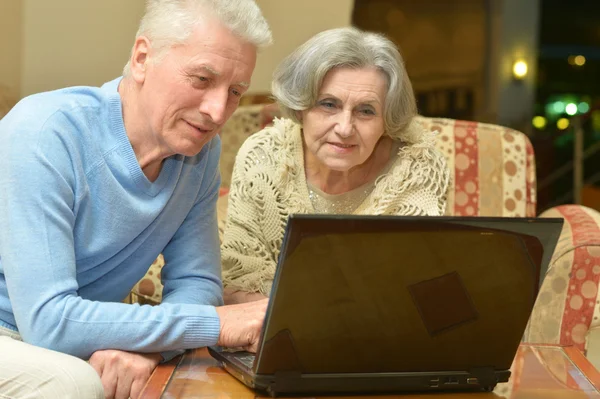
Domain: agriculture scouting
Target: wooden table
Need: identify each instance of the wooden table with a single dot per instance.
(538, 371)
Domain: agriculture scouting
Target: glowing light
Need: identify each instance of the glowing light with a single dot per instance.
(571, 109)
(583, 107)
(539, 122)
(579, 60)
(559, 107)
(520, 69)
(562, 123)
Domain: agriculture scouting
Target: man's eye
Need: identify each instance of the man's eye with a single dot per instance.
(367, 111)
(236, 93)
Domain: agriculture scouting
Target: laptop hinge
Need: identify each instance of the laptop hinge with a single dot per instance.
(284, 380)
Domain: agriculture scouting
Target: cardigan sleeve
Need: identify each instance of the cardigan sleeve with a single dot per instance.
(255, 220)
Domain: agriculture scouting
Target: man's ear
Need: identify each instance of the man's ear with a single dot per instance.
(139, 59)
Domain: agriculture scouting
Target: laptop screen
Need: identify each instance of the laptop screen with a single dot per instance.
(364, 294)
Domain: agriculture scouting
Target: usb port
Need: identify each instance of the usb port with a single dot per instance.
(451, 381)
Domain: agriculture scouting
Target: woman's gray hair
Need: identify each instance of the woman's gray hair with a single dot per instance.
(169, 22)
(298, 78)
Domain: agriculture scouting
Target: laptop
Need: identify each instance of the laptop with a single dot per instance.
(384, 304)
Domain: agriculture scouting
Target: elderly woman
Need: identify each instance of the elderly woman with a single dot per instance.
(348, 145)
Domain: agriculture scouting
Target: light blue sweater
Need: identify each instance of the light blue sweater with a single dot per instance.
(80, 224)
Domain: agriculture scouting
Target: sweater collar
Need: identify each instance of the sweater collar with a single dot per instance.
(117, 126)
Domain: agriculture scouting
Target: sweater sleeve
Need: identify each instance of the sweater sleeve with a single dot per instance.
(255, 221)
(192, 271)
(38, 201)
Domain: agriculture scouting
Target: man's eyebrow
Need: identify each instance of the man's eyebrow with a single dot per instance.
(209, 69)
(204, 68)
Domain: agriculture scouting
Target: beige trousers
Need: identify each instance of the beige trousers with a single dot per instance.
(28, 372)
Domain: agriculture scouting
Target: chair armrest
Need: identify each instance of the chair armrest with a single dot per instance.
(566, 307)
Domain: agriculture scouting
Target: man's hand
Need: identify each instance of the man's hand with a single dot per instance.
(124, 374)
(232, 296)
(241, 324)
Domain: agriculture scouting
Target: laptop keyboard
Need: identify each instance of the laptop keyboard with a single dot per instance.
(247, 359)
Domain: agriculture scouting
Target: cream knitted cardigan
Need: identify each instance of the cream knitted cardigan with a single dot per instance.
(269, 183)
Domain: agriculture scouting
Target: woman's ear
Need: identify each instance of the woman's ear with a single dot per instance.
(298, 115)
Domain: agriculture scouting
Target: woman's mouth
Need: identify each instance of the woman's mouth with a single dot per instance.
(342, 148)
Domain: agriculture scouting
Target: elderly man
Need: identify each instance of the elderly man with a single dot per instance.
(96, 182)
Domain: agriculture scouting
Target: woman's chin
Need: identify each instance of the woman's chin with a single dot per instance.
(339, 166)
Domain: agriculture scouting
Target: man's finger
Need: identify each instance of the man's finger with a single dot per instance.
(123, 385)
(137, 386)
(109, 382)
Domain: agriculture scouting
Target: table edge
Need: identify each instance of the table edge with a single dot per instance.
(583, 364)
(159, 379)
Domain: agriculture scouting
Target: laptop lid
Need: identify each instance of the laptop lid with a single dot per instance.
(364, 294)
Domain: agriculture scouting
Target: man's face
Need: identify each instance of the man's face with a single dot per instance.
(190, 93)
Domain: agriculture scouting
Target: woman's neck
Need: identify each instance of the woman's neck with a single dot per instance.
(338, 182)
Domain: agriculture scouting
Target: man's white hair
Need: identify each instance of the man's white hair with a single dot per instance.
(169, 22)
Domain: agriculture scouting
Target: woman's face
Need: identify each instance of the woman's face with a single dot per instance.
(342, 129)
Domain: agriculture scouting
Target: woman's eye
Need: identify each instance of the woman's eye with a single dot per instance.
(367, 111)
(327, 104)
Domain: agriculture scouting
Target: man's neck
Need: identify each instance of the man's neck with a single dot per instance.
(145, 148)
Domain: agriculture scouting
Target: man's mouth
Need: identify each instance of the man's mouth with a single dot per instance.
(200, 128)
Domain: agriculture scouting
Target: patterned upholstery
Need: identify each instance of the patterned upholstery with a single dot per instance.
(493, 168)
(568, 304)
(493, 174)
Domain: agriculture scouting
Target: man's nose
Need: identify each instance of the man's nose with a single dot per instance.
(214, 104)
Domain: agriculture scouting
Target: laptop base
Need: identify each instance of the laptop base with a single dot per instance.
(286, 383)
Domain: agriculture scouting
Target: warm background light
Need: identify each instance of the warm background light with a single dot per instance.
(539, 122)
(562, 123)
(520, 69)
(577, 60)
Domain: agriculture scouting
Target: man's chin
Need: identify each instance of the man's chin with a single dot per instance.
(193, 148)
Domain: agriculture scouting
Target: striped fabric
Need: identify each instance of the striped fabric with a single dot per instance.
(493, 168)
